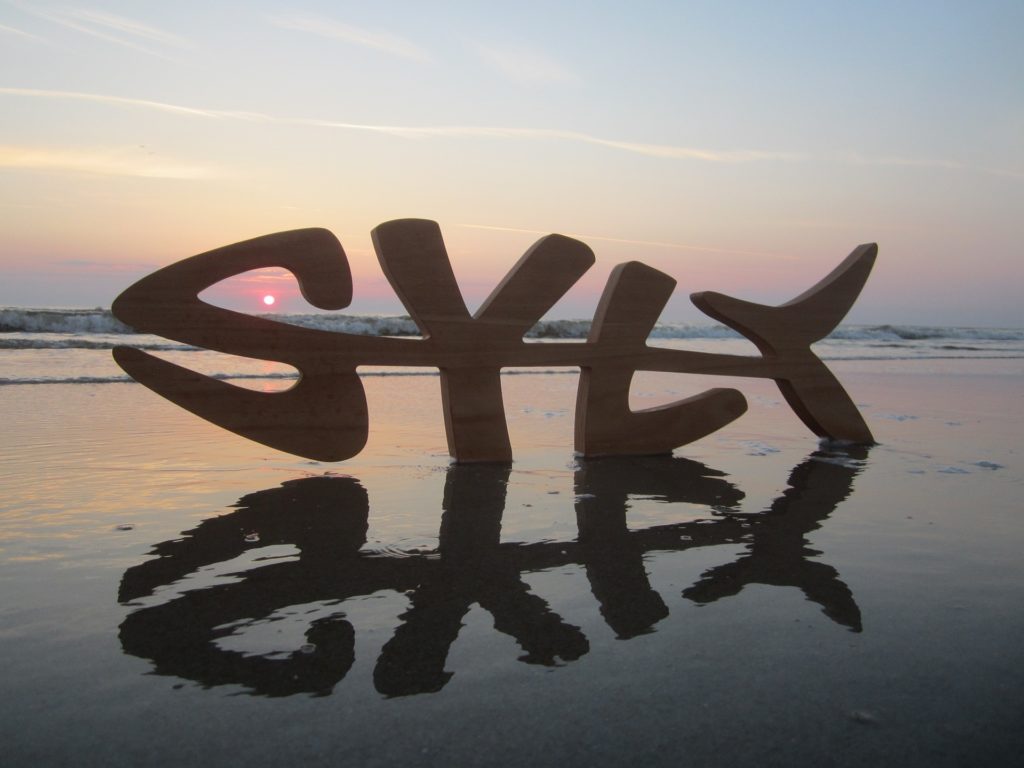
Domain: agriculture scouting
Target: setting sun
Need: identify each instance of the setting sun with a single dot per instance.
(269, 300)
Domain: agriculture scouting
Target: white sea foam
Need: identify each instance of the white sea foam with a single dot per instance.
(921, 332)
(66, 338)
(51, 340)
(101, 321)
(75, 321)
(758, 448)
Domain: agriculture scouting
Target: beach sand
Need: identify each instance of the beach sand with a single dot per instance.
(174, 594)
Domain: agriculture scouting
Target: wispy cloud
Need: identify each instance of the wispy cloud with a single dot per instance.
(524, 65)
(110, 27)
(336, 30)
(492, 132)
(116, 101)
(628, 241)
(127, 26)
(121, 161)
(669, 151)
(4, 29)
(925, 162)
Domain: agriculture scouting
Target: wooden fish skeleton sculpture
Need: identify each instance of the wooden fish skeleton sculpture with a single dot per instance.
(324, 415)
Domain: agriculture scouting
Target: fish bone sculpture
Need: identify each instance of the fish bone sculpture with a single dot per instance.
(324, 415)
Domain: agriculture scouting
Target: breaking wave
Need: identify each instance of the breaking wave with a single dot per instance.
(74, 321)
(90, 328)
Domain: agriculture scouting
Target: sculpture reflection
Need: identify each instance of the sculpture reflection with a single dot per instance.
(325, 518)
(473, 568)
(777, 550)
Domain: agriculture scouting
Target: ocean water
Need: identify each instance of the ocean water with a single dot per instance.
(174, 594)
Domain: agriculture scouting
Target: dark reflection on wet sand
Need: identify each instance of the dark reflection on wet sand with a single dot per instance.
(326, 519)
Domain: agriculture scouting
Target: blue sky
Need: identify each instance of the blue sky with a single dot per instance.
(740, 147)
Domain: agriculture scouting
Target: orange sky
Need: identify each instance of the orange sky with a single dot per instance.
(741, 151)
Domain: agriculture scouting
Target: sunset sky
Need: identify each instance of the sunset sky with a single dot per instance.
(740, 147)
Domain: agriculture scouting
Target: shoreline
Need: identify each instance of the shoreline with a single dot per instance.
(553, 611)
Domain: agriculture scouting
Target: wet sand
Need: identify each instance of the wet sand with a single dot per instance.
(173, 593)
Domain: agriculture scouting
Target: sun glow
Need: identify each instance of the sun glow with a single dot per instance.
(269, 300)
